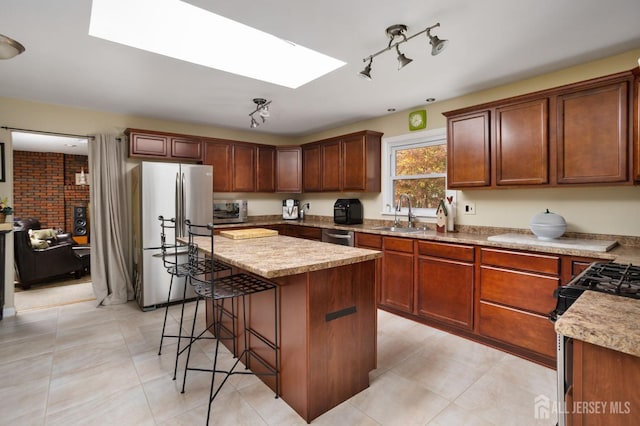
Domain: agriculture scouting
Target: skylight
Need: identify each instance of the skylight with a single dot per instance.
(183, 31)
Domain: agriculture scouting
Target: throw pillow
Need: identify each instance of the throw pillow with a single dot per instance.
(42, 234)
(39, 244)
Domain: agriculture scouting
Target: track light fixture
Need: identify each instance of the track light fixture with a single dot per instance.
(398, 31)
(262, 109)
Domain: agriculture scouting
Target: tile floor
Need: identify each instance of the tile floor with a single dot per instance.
(81, 365)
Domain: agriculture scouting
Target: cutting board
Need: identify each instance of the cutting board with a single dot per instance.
(242, 234)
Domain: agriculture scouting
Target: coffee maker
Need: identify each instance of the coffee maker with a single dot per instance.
(290, 209)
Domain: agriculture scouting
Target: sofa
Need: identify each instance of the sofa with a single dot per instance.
(43, 254)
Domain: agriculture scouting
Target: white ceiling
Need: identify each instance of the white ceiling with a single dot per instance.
(492, 42)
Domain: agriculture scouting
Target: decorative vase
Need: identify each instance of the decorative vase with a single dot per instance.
(3, 218)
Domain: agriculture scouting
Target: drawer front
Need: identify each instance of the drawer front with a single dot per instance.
(447, 251)
(518, 289)
(544, 264)
(398, 244)
(368, 240)
(523, 329)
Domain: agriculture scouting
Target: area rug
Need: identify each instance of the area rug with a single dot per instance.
(46, 297)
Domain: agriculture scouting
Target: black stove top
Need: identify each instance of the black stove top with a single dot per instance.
(612, 278)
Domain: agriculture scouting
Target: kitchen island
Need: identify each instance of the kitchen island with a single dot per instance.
(605, 360)
(327, 315)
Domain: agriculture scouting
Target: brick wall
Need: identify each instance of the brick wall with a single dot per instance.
(44, 187)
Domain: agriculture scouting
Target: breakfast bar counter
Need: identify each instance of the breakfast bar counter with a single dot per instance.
(327, 316)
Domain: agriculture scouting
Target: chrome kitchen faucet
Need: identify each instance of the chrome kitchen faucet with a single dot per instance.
(410, 216)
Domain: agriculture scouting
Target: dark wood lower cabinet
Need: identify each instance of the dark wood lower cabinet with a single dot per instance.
(607, 380)
(445, 283)
(397, 274)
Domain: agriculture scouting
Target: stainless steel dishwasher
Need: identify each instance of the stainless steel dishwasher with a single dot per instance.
(338, 236)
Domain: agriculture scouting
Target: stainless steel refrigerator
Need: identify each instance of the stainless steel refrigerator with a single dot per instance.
(180, 191)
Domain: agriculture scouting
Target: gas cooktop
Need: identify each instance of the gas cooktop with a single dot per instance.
(613, 278)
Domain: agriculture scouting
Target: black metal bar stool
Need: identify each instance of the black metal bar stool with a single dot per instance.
(176, 262)
(233, 288)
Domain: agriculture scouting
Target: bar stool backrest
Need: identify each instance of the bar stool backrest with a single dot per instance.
(170, 247)
(201, 266)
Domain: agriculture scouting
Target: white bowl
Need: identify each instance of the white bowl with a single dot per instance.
(548, 226)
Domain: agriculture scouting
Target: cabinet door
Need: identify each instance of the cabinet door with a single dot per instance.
(354, 164)
(312, 173)
(186, 149)
(468, 161)
(331, 167)
(218, 155)
(243, 169)
(636, 129)
(593, 135)
(289, 169)
(522, 143)
(265, 173)
(445, 291)
(143, 145)
(397, 274)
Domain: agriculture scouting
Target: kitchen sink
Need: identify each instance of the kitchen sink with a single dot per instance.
(396, 229)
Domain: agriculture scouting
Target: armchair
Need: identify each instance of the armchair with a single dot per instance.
(40, 264)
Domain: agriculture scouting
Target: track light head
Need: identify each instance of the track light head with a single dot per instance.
(366, 72)
(437, 45)
(402, 60)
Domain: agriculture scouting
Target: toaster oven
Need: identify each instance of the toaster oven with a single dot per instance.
(229, 211)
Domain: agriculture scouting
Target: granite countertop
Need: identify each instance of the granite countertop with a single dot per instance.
(279, 256)
(605, 320)
(622, 253)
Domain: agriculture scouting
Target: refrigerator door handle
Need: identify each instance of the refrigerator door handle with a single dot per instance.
(178, 229)
(183, 203)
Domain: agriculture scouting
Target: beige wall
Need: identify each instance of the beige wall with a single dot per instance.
(606, 210)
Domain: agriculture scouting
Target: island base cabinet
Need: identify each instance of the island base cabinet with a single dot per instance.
(328, 323)
(607, 380)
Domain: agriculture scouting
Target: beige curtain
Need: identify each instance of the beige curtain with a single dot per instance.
(108, 220)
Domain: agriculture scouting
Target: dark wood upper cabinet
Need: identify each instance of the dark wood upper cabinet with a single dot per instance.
(218, 154)
(265, 168)
(187, 149)
(570, 135)
(288, 169)
(311, 168)
(243, 168)
(361, 162)
(163, 146)
(636, 126)
(343, 163)
(468, 149)
(331, 166)
(522, 133)
(592, 127)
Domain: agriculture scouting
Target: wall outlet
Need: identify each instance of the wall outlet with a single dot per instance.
(469, 208)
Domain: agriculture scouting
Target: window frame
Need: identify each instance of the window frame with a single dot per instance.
(411, 140)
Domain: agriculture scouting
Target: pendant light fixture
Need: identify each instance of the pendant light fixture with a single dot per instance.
(9, 47)
(398, 32)
(262, 109)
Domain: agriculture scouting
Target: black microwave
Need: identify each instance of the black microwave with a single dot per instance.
(347, 211)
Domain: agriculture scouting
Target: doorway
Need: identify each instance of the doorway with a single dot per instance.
(50, 184)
